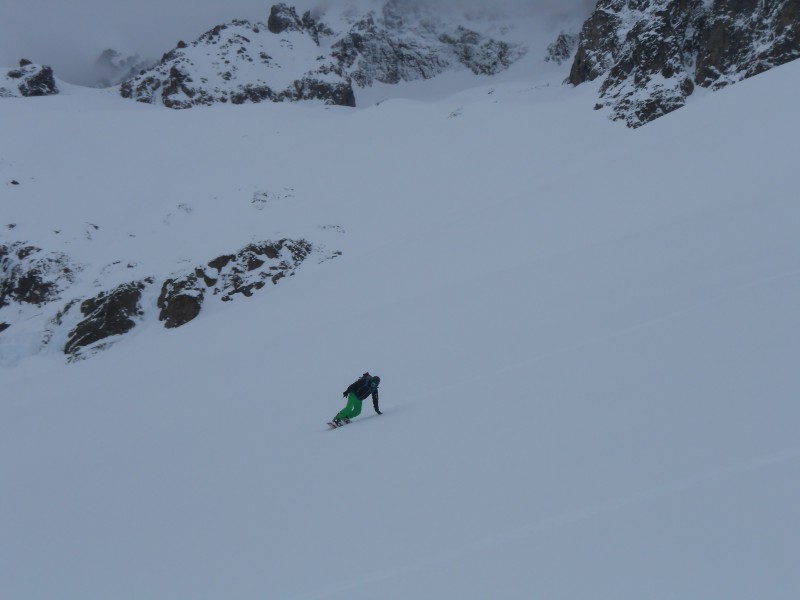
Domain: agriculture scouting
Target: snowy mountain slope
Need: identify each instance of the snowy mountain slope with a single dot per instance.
(587, 338)
(324, 56)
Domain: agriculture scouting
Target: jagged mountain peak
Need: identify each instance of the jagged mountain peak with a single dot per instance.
(297, 56)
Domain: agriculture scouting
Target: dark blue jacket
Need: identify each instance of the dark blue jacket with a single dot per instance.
(363, 387)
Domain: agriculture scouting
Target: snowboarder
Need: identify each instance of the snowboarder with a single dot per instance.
(357, 391)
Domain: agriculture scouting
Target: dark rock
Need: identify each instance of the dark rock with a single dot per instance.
(144, 90)
(743, 38)
(31, 276)
(180, 300)
(4, 326)
(653, 57)
(562, 49)
(482, 56)
(252, 93)
(34, 80)
(598, 43)
(284, 18)
(220, 262)
(653, 53)
(107, 314)
(24, 62)
(379, 54)
(315, 28)
(246, 271)
(39, 83)
(14, 182)
(229, 275)
(176, 84)
(339, 94)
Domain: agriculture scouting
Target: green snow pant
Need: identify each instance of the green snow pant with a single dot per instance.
(353, 408)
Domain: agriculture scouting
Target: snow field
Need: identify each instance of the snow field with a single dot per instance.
(587, 340)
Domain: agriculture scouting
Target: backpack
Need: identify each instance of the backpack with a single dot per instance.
(362, 384)
(362, 387)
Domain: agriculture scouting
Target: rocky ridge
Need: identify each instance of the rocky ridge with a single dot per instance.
(652, 54)
(299, 57)
(36, 284)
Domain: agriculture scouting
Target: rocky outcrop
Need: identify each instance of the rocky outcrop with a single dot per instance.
(284, 18)
(243, 69)
(286, 59)
(28, 80)
(117, 311)
(653, 53)
(108, 314)
(743, 38)
(229, 275)
(180, 300)
(310, 88)
(404, 45)
(28, 275)
(562, 49)
(481, 55)
(45, 288)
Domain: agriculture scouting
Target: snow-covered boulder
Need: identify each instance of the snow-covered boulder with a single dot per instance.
(652, 53)
(28, 80)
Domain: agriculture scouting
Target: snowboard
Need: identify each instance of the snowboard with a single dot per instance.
(333, 425)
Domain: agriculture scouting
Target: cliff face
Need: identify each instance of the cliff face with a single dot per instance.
(652, 53)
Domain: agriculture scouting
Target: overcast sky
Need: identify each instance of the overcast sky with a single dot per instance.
(69, 34)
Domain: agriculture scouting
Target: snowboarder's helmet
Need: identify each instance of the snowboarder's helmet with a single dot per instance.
(376, 380)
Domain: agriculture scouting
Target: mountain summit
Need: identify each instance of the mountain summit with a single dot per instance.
(301, 57)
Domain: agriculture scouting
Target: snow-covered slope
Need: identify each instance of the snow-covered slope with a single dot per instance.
(587, 338)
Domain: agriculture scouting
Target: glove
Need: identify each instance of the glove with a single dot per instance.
(344, 394)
